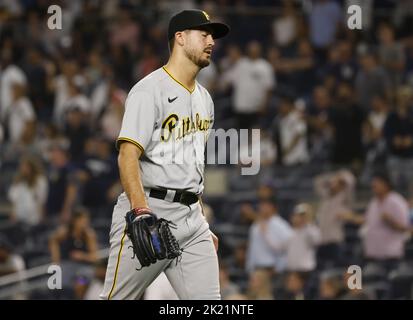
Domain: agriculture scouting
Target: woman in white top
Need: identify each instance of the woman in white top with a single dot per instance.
(28, 193)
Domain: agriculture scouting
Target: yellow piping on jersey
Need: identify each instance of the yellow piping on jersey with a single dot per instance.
(131, 141)
(179, 82)
(117, 265)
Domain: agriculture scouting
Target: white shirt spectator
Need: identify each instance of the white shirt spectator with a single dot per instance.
(21, 112)
(99, 99)
(160, 289)
(64, 100)
(301, 249)
(251, 79)
(266, 249)
(284, 30)
(332, 206)
(377, 119)
(79, 101)
(28, 201)
(292, 125)
(61, 95)
(11, 75)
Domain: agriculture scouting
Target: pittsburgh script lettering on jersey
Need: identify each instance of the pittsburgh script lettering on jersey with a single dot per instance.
(179, 128)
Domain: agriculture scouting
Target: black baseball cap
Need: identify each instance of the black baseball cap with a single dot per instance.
(195, 19)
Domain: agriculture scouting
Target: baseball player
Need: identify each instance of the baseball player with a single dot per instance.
(161, 144)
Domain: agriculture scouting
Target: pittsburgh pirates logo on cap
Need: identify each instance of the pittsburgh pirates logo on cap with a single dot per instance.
(206, 15)
(195, 19)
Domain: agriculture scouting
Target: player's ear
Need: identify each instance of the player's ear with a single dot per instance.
(179, 38)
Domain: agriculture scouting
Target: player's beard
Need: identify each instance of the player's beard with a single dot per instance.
(196, 58)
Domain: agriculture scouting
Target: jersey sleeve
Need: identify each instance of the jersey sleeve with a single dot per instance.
(138, 122)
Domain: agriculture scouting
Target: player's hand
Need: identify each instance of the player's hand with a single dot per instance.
(215, 240)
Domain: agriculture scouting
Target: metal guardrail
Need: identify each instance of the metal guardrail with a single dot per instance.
(18, 283)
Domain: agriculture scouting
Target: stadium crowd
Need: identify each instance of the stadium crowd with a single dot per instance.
(335, 110)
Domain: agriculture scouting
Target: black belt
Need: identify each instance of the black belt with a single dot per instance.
(185, 197)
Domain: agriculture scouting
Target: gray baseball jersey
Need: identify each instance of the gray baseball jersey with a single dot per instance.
(170, 124)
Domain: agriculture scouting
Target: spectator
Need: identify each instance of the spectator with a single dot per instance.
(10, 262)
(268, 236)
(385, 224)
(317, 114)
(125, 31)
(62, 185)
(236, 263)
(28, 193)
(373, 130)
(98, 175)
(207, 77)
(260, 285)
(391, 53)
(301, 248)
(100, 90)
(60, 85)
(342, 65)
(336, 198)
(398, 132)
(26, 145)
(331, 285)
(296, 71)
(347, 119)
(48, 136)
(75, 241)
(74, 247)
(324, 22)
(11, 75)
(294, 287)
(227, 287)
(290, 131)
(149, 62)
(38, 93)
(371, 80)
(77, 126)
(376, 120)
(227, 64)
(21, 115)
(252, 79)
(285, 28)
(248, 212)
(111, 120)
(95, 70)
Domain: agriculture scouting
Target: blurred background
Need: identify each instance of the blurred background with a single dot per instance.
(334, 107)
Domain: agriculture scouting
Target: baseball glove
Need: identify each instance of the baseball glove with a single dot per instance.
(151, 238)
